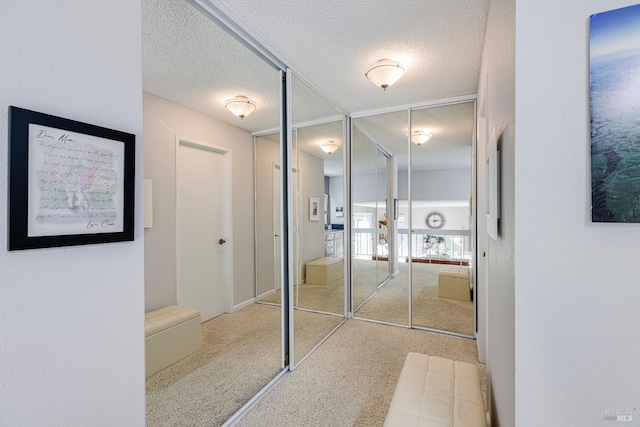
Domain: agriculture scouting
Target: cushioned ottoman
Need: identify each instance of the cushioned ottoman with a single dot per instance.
(323, 271)
(437, 392)
(171, 333)
(453, 282)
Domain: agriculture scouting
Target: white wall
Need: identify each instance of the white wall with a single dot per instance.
(311, 232)
(336, 198)
(577, 287)
(369, 187)
(499, 63)
(72, 335)
(443, 184)
(163, 120)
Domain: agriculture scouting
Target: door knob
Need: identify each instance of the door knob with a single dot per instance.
(221, 241)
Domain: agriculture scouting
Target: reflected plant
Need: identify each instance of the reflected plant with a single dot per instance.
(435, 243)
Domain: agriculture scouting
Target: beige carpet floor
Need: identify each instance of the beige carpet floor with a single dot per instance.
(330, 298)
(350, 379)
(391, 303)
(309, 329)
(240, 354)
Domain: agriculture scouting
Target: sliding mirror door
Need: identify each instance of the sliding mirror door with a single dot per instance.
(364, 210)
(411, 173)
(317, 186)
(382, 225)
(380, 283)
(440, 172)
(192, 145)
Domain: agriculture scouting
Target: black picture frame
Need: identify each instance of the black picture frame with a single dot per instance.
(70, 183)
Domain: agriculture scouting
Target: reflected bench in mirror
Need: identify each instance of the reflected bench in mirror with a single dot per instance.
(324, 271)
(171, 334)
(453, 282)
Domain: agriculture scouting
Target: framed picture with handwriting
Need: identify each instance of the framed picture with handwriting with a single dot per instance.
(70, 183)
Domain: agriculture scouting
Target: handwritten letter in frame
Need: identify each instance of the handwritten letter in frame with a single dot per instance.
(71, 183)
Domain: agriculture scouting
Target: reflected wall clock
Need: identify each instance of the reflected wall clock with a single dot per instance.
(435, 220)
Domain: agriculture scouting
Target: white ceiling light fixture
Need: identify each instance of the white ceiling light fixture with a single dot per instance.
(241, 106)
(384, 73)
(329, 147)
(419, 137)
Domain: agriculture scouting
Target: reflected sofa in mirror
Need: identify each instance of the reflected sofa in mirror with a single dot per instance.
(186, 86)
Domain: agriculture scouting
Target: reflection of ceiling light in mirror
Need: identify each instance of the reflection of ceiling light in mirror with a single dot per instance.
(419, 137)
(384, 73)
(329, 147)
(241, 106)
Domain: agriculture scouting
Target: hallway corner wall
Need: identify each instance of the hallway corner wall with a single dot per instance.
(72, 335)
(497, 313)
(576, 280)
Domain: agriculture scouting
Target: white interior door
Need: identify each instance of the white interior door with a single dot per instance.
(201, 233)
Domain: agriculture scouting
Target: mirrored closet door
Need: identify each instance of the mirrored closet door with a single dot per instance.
(411, 189)
(380, 282)
(192, 95)
(317, 208)
(441, 147)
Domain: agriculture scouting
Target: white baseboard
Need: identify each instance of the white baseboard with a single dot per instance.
(243, 305)
(266, 294)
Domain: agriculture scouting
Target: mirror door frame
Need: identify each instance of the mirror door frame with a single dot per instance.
(474, 250)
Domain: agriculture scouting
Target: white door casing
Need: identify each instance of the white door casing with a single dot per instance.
(481, 285)
(277, 199)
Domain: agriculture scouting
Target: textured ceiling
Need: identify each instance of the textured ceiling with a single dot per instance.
(187, 59)
(331, 43)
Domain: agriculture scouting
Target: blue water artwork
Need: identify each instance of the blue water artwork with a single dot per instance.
(615, 115)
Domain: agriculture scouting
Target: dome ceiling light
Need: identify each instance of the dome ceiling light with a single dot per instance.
(329, 147)
(241, 106)
(419, 137)
(384, 73)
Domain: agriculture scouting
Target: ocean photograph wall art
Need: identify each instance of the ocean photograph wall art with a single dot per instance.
(615, 115)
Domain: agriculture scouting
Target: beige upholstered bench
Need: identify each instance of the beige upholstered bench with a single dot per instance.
(323, 271)
(437, 392)
(453, 282)
(171, 333)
